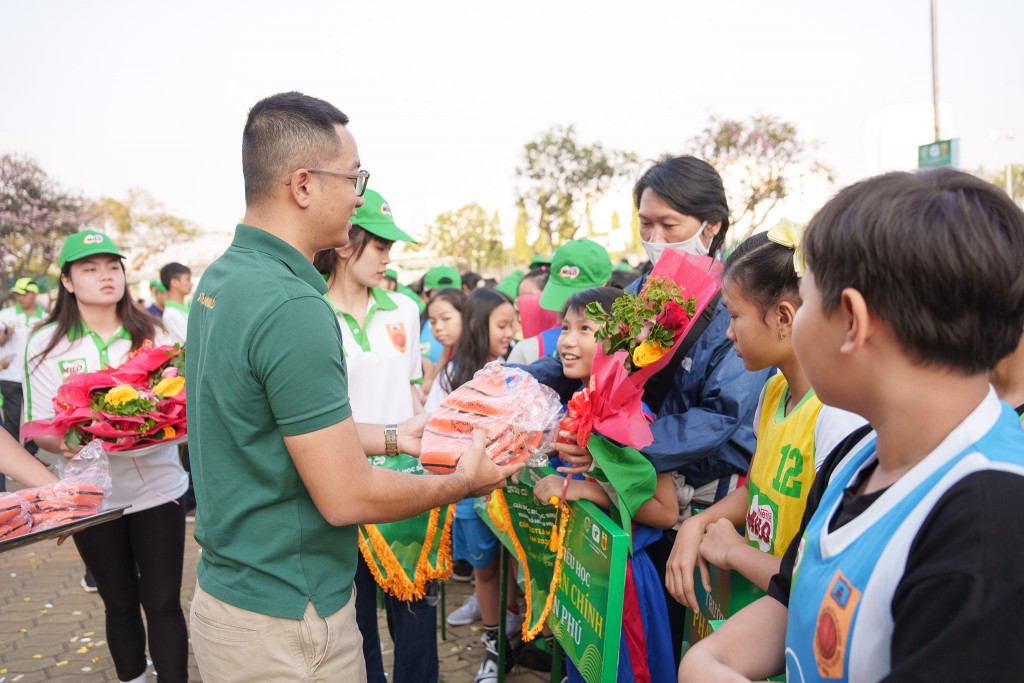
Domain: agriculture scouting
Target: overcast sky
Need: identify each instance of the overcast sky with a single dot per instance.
(443, 95)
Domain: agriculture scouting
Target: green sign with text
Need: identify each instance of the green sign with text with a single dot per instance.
(586, 609)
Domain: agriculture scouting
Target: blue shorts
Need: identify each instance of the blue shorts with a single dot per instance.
(473, 541)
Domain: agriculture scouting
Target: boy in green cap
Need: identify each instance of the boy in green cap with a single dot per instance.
(575, 266)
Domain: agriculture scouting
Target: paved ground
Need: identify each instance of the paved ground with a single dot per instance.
(51, 630)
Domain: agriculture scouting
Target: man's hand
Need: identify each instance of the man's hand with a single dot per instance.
(484, 476)
(579, 458)
(410, 434)
(684, 558)
(719, 539)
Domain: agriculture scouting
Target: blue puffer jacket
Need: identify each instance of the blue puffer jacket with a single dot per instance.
(704, 427)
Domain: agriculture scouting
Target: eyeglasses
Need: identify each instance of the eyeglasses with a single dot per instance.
(361, 177)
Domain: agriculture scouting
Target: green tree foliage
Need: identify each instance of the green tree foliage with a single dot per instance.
(36, 214)
(469, 236)
(560, 178)
(998, 177)
(761, 160)
(522, 252)
(140, 225)
(636, 245)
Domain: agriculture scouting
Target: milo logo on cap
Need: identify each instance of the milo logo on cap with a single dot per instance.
(93, 239)
(385, 209)
(569, 272)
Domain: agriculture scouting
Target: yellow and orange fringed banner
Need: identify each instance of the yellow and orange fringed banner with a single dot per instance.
(531, 537)
(404, 556)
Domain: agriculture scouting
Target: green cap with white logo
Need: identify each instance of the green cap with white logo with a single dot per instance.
(374, 216)
(84, 244)
(575, 266)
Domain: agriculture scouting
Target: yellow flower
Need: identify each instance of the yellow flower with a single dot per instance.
(647, 353)
(121, 394)
(169, 386)
(168, 433)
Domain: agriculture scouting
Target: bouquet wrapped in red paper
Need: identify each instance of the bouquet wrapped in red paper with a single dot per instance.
(139, 404)
(637, 339)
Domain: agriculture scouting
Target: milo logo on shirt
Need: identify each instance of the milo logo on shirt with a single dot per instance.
(832, 630)
(762, 518)
(71, 366)
(396, 333)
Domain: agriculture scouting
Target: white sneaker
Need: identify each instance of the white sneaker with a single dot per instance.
(88, 584)
(467, 614)
(514, 624)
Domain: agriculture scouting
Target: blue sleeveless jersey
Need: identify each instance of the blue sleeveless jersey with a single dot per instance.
(840, 618)
(547, 342)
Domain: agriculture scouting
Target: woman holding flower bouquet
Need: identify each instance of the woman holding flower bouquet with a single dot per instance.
(137, 559)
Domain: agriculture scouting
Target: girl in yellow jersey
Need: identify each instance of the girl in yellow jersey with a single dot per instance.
(794, 430)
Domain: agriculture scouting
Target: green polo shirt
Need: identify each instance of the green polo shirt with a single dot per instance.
(265, 361)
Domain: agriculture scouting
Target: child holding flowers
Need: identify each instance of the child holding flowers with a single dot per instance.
(646, 644)
(794, 430)
(138, 558)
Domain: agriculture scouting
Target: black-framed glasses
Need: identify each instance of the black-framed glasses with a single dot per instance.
(361, 177)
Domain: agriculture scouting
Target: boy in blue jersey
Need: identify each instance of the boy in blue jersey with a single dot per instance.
(911, 559)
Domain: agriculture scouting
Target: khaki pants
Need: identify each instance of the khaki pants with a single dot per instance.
(232, 644)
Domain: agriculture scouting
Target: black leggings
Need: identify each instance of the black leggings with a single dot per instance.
(135, 560)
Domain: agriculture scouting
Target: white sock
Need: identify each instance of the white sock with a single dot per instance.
(140, 679)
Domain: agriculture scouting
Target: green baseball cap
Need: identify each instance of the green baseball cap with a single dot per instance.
(510, 285)
(442, 277)
(24, 285)
(391, 274)
(84, 244)
(158, 286)
(575, 266)
(374, 216)
(538, 261)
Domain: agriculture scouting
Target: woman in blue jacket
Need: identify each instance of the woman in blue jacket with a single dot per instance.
(704, 399)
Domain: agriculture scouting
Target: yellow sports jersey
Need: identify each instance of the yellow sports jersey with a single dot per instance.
(782, 469)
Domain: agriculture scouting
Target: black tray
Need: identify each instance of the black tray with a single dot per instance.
(69, 528)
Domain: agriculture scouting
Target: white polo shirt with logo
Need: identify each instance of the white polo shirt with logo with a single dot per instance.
(383, 357)
(22, 322)
(144, 482)
(175, 319)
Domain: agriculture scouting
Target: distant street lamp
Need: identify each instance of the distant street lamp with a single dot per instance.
(1009, 136)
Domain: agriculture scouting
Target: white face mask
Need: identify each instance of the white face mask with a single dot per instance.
(694, 246)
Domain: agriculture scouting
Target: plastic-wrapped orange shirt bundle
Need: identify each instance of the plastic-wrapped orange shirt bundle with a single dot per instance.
(518, 415)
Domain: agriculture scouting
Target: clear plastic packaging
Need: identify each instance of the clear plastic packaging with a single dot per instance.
(518, 415)
(81, 493)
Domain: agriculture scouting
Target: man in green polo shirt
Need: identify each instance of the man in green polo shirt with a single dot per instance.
(279, 466)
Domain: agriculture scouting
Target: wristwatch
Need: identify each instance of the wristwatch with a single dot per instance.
(391, 439)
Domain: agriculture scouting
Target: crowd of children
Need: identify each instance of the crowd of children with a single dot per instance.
(838, 429)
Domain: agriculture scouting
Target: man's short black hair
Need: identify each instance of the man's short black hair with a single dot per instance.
(172, 271)
(283, 133)
(938, 255)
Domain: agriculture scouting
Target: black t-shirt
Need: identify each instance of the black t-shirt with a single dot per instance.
(958, 610)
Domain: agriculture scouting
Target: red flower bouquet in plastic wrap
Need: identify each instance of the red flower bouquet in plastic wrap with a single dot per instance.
(517, 413)
(638, 338)
(139, 404)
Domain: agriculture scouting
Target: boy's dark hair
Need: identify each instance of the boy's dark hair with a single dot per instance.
(764, 271)
(938, 255)
(172, 271)
(623, 278)
(285, 132)
(577, 303)
(474, 344)
(471, 280)
(327, 260)
(690, 186)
